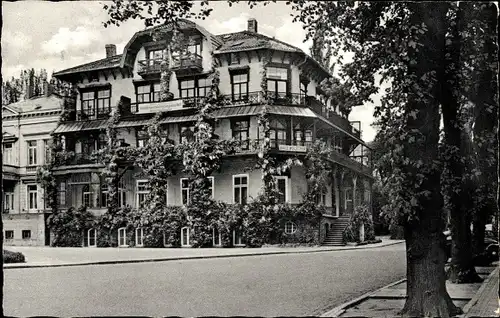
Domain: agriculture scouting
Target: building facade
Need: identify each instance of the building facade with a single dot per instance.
(26, 126)
(300, 114)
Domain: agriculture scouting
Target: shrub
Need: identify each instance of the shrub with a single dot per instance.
(13, 257)
(360, 216)
(68, 226)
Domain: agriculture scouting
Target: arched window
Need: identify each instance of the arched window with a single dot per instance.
(92, 238)
(290, 227)
(122, 236)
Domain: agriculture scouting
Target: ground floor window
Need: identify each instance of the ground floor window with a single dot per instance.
(217, 237)
(185, 236)
(290, 227)
(122, 236)
(238, 238)
(9, 235)
(26, 234)
(282, 188)
(139, 237)
(92, 238)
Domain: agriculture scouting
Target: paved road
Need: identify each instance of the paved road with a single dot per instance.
(277, 285)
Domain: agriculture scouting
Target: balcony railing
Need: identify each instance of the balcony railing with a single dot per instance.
(31, 169)
(186, 61)
(92, 115)
(150, 66)
(273, 98)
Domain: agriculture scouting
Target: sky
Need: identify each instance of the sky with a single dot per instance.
(59, 35)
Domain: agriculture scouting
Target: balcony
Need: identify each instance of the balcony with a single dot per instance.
(187, 62)
(92, 114)
(149, 67)
(273, 98)
(340, 121)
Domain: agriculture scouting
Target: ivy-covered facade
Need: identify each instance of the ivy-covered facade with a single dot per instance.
(194, 139)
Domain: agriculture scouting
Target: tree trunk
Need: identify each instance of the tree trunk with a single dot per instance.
(426, 288)
(461, 269)
(484, 96)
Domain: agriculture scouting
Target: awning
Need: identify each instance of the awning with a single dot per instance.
(133, 123)
(81, 126)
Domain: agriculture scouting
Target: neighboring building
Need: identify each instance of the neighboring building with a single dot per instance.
(300, 114)
(26, 139)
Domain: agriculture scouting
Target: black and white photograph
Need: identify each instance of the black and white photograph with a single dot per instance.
(250, 158)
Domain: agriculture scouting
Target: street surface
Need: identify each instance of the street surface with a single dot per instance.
(271, 285)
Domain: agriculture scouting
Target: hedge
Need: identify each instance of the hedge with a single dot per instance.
(13, 257)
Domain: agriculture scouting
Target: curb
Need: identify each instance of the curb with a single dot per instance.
(478, 294)
(339, 310)
(164, 259)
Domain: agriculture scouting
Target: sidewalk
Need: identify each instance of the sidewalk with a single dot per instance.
(476, 300)
(69, 256)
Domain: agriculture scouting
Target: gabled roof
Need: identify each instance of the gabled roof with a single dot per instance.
(106, 63)
(36, 104)
(246, 40)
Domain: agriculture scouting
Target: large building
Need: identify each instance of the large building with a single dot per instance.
(300, 114)
(26, 126)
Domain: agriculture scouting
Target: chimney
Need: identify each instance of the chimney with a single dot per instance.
(252, 25)
(110, 50)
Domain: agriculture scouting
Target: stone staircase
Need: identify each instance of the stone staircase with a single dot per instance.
(334, 237)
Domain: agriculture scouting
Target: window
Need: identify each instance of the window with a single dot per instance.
(104, 195)
(187, 88)
(7, 153)
(102, 141)
(290, 227)
(302, 136)
(303, 88)
(32, 160)
(155, 57)
(216, 237)
(185, 236)
(46, 145)
(139, 237)
(321, 197)
(142, 192)
(96, 104)
(194, 47)
(142, 137)
(92, 238)
(122, 194)
(148, 93)
(277, 82)
(348, 199)
(277, 133)
(282, 188)
(240, 189)
(62, 193)
(88, 146)
(26, 234)
(9, 235)
(187, 133)
(238, 238)
(184, 191)
(204, 86)
(8, 202)
(239, 86)
(122, 236)
(87, 196)
(241, 131)
(32, 197)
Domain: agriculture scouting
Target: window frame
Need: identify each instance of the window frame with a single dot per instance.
(90, 108)
(186, 244)
(32, 146)
(8, 201)
(141, 192)
(241, 97)
(35, 194)
(196, 87)
(240, 236)
(240, 186)
(141, 236)
(184, 189)
(346, 197)
(278, 94)
(219, 237)
(293, 227)
(275, 130)
(287, 187)
(7, 152)
(245, 144)
(153, 96)
(9, 231)
(26, 237)
(89, 194)
(94, 237)
(124, 237)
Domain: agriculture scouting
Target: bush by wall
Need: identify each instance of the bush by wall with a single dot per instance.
(68, 226)
(361, 215)
(13, 257)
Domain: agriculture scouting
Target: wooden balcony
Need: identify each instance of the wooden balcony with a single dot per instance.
(92, 114)
(149, 67)
(192, 62)
(255, 98)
